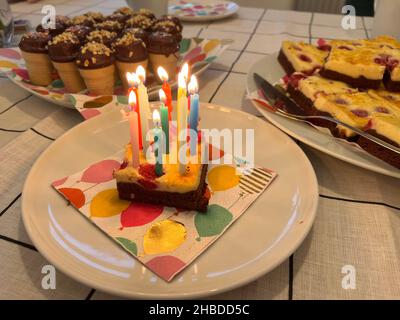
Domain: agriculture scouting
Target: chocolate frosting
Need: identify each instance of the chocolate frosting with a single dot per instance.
(109, 25)
(130, 49)
(138, 33)
(102, 36)
(162, 43)
(168, 26)
(35, 42)
(121, 18)
(64, 47)
(140, 21)
(94, 55)
(174, 20)
(80, 31)
(62, 22)
(83, 20)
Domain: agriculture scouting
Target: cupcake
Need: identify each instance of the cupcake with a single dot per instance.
(168, 26)
(121, 18)
(96, 16)
(163, 51)
(147, 13)
(96, 66)
(174, 20)
(61, 23)
(63, 50)
(79, 31)
(130, 52)
(109, 25)
(34, 50)
(139, 21)
(83, 20)
(126, 11)
(138, 33)
(102, 36)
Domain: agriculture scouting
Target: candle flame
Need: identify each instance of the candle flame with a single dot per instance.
(141, 73)
(132, 98)
(185, 71)
(162, 95)
(181, 81)
(156, 118)
(162, 73)
(132, 78)
(193, 86)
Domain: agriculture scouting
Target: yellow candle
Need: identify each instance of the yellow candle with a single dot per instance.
(144, 109)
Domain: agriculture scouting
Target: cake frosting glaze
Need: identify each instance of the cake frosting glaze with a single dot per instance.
(170, 181)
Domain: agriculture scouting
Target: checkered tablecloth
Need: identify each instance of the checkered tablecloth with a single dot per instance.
(358, 219)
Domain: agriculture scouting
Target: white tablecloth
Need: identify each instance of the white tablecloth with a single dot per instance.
(358, 221)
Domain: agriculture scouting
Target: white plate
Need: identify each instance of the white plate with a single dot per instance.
(269, 68)
(265, 236)
(204, 10)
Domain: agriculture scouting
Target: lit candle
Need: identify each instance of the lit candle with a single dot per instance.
(158, 142)
(164, 119)
(163, 75)
(134, 130)
(133, 81)
(185, 73)
(182, 123)
(144, 110)
(194, 113)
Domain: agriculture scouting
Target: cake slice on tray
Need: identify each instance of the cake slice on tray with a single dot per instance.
(301, 57)
(171, 189)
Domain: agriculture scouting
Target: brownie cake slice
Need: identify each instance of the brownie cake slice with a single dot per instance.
(301, 57)
(188, 191)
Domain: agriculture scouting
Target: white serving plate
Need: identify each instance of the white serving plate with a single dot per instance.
(230, 8)
(269, 68)
(264, 237)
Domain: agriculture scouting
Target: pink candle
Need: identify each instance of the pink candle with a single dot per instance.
(134, 130)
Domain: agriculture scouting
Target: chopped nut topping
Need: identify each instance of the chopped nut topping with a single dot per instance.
(81, 19)
(96, 48)
(64, 37)
(125, 11)
(127, 39)
(108, 23)
(141, 21)
(99, 35)
(95, 15)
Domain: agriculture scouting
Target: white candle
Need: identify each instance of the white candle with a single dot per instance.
(144, 108)
(182, 124)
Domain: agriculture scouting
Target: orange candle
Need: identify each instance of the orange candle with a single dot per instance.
(163, 75)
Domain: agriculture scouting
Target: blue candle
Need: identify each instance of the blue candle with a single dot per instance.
(158, 143)
(194, 114)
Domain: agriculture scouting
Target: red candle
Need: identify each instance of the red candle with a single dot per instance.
(163, 75)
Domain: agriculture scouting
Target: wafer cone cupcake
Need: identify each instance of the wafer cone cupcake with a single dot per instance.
(63, 50)
(130, 52)
(39, 68)
(96, 66)
(70, 75)
(99, 81)
(169, 63)
(163, 50)
(33, 47)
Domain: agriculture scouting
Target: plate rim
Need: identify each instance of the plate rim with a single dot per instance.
(306, 141)
(230, 13)
(291, 247)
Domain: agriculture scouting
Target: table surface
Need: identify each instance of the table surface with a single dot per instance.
(357, 223)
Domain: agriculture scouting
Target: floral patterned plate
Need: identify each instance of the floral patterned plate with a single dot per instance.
(205, 10)
(199, 53)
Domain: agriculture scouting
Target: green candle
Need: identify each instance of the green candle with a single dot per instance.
(164, 120)
(158, 143)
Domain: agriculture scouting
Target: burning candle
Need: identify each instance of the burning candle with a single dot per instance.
(133, 81)
(164, 119)
(182, 123)
(185, 71)
(144, 111)
(158, 142)
(194, 113)
(134, 130)
(163, 75)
